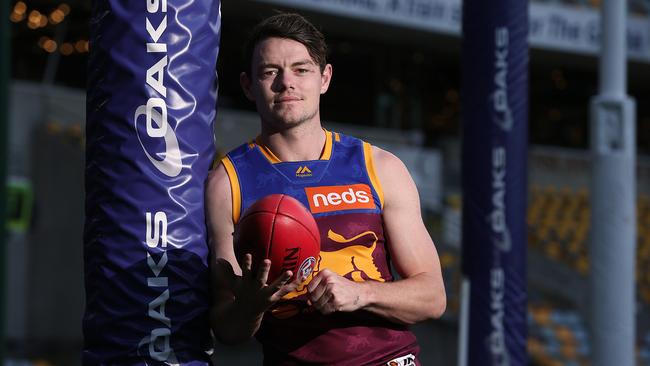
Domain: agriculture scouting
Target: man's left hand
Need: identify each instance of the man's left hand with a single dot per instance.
(330, 292)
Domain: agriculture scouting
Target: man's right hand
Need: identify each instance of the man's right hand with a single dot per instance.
(250, 290)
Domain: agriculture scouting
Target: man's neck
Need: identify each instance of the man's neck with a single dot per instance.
(302, 142)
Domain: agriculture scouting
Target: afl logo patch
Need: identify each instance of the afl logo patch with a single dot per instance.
(306, 267)
(408, 360)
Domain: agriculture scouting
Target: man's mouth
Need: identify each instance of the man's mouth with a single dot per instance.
(287, 99)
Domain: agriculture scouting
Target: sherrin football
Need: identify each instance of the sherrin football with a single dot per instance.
(280, 228)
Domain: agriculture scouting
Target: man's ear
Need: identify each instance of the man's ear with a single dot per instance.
(325, 78)
(245, 83)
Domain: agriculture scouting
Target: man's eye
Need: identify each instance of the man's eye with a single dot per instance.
(269, 72)
(303, 71)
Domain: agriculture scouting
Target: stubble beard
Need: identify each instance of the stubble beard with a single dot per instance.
(286, 119)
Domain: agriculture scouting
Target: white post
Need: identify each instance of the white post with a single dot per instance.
(613, 196)
(463, 322)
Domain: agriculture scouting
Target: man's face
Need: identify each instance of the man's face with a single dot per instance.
(285, 83)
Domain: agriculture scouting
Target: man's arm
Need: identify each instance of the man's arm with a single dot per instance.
(420, 294)
(239, 297)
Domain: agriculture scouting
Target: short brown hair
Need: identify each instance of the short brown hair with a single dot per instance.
(291, 26)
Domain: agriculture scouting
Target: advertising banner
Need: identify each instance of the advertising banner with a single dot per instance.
(494, 94)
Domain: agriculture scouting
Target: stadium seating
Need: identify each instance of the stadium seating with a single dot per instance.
(558, 222)
(558, 226)
(556, 336)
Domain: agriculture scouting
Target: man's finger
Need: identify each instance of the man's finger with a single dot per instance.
(314, 282)
(246, 265)
(301, 279)
(283, 291)
(263, 272)
(317, 293)
(280, 281)
(322, 303)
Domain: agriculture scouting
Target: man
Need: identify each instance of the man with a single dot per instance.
(350, 311)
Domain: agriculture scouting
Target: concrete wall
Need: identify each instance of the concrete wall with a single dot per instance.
(43, 264)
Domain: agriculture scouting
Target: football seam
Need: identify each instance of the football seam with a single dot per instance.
(298, 221)
(275, 214)
(301, 224)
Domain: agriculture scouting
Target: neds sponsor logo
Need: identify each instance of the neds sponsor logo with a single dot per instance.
(337, 198)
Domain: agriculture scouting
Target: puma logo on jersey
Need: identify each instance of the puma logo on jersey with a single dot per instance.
(337, 198)
(303, 171)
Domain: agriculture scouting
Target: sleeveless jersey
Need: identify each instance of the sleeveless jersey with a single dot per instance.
(343, 193)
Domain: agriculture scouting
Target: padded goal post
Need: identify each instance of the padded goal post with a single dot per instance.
(151, 103)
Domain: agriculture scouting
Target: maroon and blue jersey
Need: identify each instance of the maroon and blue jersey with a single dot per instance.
(342, 191)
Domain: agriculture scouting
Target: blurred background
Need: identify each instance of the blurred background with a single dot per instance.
(396, 84)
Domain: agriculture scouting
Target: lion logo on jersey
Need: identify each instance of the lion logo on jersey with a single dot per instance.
(354, 262)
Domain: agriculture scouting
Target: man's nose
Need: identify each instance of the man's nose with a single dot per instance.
(284, 80)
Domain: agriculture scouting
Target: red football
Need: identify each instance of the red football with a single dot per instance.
(280, 228)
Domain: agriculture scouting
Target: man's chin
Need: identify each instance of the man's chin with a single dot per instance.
(288, 120)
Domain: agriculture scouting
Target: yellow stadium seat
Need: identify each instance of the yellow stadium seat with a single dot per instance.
(565, 229)
(643, 250)
(594, 3)
(582, 265)
(565, 334)
(569, 351)
(574, 246)
(553, 250)
(535, 347)
(543, 232)
(447, 260)
(542, 315)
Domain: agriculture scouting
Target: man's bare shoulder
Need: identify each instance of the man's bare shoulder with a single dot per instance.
(387, 163)
(218, 184)
(395, 179)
